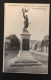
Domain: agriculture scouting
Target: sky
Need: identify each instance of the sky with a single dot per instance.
(38, 14)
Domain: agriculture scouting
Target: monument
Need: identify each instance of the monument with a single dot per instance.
(25, 58)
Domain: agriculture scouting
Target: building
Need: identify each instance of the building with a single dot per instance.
(7, 44)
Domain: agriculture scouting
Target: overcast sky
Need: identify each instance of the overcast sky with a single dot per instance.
(38, 14)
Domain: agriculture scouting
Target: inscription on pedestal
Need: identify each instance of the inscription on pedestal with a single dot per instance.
(25, 45)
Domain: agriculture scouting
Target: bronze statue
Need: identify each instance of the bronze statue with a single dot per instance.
(25, 19)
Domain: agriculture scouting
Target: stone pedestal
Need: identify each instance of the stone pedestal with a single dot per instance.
(25, 41)
(25, 58)
(25, 54)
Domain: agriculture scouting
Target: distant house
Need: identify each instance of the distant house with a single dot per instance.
(7, 44)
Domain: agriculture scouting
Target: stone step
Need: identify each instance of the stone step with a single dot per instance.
(25, 64)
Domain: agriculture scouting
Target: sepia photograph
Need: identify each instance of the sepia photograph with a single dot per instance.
(26, 38)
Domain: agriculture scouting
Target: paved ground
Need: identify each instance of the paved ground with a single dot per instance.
(40, 56)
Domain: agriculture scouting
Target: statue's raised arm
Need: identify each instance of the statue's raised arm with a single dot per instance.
(23, 13)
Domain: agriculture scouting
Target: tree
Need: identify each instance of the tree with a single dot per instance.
(14, 41)
(45, 43)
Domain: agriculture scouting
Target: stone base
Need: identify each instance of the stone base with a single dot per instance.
(25, 58)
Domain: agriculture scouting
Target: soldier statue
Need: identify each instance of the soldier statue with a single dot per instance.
(25, 19)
